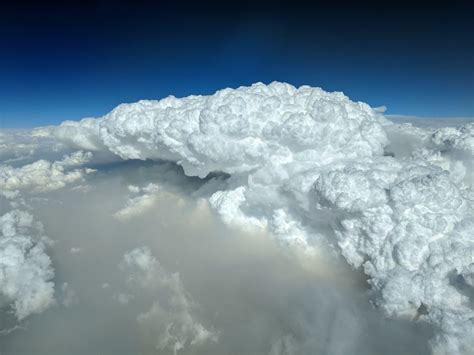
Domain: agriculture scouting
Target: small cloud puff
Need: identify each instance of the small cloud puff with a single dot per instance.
(171, 315)
(137, 205)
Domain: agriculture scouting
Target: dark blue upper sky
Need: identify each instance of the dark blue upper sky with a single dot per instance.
(73, 60)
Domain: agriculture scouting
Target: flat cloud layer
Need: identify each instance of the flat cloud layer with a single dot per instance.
(320, 175)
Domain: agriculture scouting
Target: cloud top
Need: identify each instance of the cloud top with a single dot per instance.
(235, 130)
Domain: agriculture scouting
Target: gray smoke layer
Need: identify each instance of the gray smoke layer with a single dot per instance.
(142, 266)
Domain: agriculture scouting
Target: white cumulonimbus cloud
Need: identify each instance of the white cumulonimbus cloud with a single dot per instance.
(322, 174)
(236, 130)
(293, 154)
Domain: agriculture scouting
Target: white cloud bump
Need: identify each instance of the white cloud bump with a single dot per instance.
(410, 229)
(25, 269)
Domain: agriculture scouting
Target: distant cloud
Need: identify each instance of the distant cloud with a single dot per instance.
(26, 270)
(171, 313)
(430, 123)
(43, 175)
(140, 203)
(380, 109)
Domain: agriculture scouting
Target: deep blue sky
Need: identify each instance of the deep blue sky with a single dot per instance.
(67, 61)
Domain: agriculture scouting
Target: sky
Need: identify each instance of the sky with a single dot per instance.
(72, 60)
